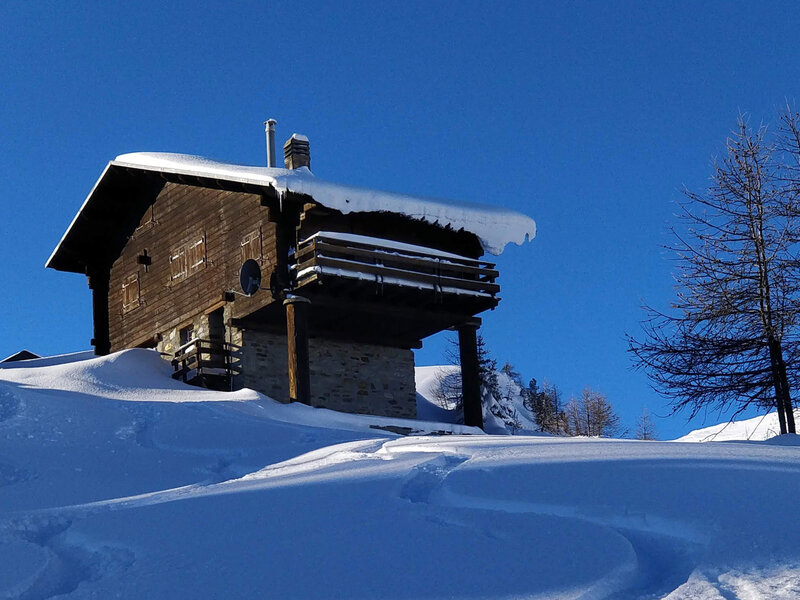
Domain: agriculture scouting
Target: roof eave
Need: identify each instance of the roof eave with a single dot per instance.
(52, 262)
(264, 182)
(59, 262)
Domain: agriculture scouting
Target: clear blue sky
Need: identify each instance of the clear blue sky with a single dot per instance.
(588, 116)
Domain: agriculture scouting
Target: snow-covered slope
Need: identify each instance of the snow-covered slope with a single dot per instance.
(756, 429)
(430, 405)
(116, 482)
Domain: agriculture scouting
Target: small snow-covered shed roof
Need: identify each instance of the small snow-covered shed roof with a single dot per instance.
(494, 226)
(21, 355)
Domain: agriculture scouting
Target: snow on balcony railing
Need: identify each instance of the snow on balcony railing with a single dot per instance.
(327, 255)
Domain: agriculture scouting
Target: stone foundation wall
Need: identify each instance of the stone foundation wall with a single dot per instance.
(345, 376)
(263, 363)
(171, 339)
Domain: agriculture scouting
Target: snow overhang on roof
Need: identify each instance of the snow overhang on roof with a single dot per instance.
(495, 227)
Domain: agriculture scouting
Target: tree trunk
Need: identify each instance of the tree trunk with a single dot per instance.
(781, 416)
(788, 407)
(782, 397)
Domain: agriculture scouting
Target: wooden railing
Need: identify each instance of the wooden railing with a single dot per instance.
(326, 255)
(207, 363)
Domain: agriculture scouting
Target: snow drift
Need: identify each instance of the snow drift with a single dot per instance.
(755, 429)
(116, 481)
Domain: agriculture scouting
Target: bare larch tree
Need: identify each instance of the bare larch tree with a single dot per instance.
(731, 339)
(591, 414)
(645, 427)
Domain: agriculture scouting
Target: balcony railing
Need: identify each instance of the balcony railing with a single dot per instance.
(207, 363)
(328, 255)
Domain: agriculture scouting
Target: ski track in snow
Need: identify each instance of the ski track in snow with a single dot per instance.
(666, 555)
(66, 563)
(142, 429)
(9, 403)
(10, 406)
(663, 563)
(425, 479)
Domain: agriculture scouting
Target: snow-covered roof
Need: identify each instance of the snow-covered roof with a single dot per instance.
(19, 356)
(494, 226)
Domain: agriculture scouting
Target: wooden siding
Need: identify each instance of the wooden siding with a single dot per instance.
(184, 255)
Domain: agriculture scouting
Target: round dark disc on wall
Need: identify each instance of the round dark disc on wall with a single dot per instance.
(250, 277)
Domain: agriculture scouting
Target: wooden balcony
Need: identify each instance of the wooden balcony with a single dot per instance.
(207, 363)
(359, 266)
(378, 291)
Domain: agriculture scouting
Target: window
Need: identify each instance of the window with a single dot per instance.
(251, 246)
(131, 297)
(186, 335)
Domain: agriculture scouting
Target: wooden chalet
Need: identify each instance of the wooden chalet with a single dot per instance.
(339, 283)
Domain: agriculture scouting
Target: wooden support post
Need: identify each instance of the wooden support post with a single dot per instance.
(470, 376)
(297, 337)
(99, 284)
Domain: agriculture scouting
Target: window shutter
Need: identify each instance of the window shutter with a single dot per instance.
(187, 259)
(131, 297)
(251, 246)
(197, 254)
(177, 265)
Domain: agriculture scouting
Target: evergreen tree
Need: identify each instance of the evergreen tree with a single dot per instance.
(545, 404)
(487, 368)
(487, 372)
(449, 394)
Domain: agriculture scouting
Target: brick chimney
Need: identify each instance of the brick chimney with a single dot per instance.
(296, 152)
